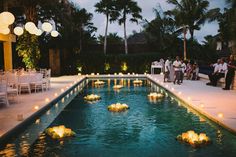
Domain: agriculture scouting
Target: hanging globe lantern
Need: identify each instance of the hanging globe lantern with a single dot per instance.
(47, 27)
(18, 30)
(30, 26)
(54, 33)
(38, 32)
(7, 18)
(3, 26)
(5, 31)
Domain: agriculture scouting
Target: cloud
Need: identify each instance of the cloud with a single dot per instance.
(147, 13)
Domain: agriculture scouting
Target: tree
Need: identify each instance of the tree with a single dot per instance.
(112, 38)
(160, 30)
(189, 15)
(106, 7)
(82, 23)
(124, 8)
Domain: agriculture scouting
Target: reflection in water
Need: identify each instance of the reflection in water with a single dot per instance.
(9, 151)
(144, 130)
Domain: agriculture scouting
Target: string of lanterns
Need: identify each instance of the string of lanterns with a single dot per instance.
(7, 19)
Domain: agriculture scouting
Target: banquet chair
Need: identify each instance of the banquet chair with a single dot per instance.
(12, 84)
(37, 82)
(3, 94)
(24, 83)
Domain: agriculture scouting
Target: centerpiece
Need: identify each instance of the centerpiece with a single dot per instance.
(92, 97)
(137, 82)
(118, 107)
(59, 132)
(155, 96)
(117, 87)
(99, 83)
(194, 139)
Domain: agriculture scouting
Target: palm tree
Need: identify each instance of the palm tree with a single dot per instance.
(82, 22)
(125, 8)
(189, 15)
(106, 7)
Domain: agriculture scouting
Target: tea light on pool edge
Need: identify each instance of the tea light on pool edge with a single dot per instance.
(20, 117)
(179, 93)
(201, 105)
(172, 89)
(55, 94)
(47, 100)
(98, 74)
(37, 121)
(36, 107)
(189, 98)
(62, 90)
(220, 115)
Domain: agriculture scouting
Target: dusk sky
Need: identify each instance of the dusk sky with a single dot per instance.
(147, 13)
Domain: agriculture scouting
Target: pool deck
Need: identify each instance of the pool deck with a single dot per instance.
(213, 102)
(25, 104)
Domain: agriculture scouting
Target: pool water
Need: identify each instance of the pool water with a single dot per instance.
(146, 129)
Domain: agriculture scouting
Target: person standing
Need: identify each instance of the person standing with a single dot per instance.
(216, 71)
(177, 68)
(231, 73)
(167, 70)
(183, 69)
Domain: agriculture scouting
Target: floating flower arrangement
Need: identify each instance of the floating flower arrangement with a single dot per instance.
(92, 97)
(137, 82)
(117, 87)
(99, 83)
(59, 132)
(194, 139)
(155, 96)
(118, 107)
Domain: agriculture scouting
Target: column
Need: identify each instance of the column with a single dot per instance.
(7, 48)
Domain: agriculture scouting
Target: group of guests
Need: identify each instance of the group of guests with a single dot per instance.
(223, 69)
(175, 72)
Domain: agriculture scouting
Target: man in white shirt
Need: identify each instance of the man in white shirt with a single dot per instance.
(167, 70)
(177, 68)
(220, 69)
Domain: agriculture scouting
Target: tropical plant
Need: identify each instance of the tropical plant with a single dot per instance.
(106, 7)
(124, 8)
(112, 38)
(82, 23)
(160, 30)
(28, 49)
(189, 15)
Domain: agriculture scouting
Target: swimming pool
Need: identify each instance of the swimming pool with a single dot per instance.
(146, 129)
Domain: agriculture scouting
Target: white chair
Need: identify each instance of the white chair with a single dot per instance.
(12, 84)
(24, 83)
(37, 82)
(3, 94)
(46, 79)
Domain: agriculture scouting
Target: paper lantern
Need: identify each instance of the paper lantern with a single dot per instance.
(54, 33)
(3, 26)
(47, 27)
(7, 18)
(18, 30)
(30, 26)
(38, 32)
(5, 31)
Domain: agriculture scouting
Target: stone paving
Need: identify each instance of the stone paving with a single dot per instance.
(28, 104)
(213, 102)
